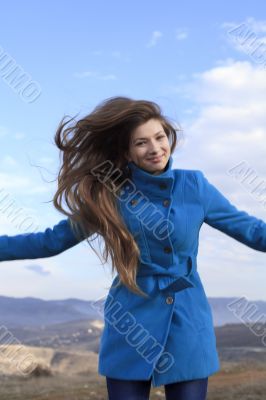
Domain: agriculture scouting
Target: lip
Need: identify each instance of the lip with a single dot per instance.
(155, 159)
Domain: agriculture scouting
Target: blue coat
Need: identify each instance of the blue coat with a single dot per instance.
(168, 336)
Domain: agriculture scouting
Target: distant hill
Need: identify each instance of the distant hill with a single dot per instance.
(30, 311)
(243, 310)
(63, 337)
(33, 312)
(83, 335)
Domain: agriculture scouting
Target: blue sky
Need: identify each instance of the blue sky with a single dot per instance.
(178, 54)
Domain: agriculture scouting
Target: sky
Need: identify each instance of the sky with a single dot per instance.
(203, 62)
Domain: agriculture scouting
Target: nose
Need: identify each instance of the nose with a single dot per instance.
(154, 149)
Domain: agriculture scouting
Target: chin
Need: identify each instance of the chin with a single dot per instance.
(158, 169)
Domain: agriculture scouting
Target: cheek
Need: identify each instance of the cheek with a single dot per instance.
(137, 154)
(167, 146)
(136, 151)
(140, 151)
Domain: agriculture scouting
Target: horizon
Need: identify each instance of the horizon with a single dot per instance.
(205, 74)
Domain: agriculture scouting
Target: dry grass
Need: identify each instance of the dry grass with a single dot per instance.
(62, 375)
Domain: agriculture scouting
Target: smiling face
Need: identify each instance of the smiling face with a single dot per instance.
(149, 141)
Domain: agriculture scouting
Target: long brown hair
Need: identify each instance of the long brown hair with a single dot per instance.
(87, 144)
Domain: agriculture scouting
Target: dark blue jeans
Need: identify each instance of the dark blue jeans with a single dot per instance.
(119, 389)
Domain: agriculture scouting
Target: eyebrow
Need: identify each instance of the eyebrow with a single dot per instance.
(146, 138)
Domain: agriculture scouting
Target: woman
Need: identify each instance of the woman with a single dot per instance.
(117, 180)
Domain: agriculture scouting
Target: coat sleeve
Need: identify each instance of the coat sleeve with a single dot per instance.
(224, 216)
(40, 244)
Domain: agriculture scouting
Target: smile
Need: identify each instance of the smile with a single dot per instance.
(155, 159)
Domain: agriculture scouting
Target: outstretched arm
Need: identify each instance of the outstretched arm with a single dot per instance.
(221, 214)
(40, 244)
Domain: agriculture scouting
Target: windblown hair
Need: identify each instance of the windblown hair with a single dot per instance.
(93, 143)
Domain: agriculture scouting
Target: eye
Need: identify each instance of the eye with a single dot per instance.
(159, 137)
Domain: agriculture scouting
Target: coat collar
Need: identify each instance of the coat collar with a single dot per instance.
(153, 183)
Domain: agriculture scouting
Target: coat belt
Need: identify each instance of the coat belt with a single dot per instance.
(175, 278)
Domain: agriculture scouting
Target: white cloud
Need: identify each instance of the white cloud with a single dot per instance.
(66, 277)
(9, 161)
(108, 77)
(119, 56)
(181, 34)
(46, 160)
(248, 37)
(95, 74)
(228, 126)
(97, 52)
(13, 181)
(231, 117)
(255, 25)
(116, 54)
(259, 26)
(16, 184)
(3, 131)
(38, 269)
(19, 135)
(156, 35)
(235, 84)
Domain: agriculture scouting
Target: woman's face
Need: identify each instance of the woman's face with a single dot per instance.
(148, 141)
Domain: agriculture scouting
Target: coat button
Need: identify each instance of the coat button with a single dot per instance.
(166, 203)
(169, 300)
(167, 249)
(133, 202)
(162, 185)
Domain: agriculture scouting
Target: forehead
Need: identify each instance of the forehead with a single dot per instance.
(148, 129)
